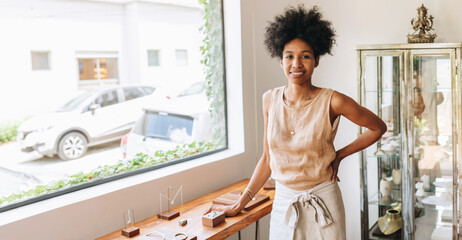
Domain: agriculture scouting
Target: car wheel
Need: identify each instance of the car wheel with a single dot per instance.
(72, 146)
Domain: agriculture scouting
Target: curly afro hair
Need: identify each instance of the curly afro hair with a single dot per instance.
(301, 23)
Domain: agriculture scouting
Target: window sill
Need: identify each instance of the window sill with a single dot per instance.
(52, 204)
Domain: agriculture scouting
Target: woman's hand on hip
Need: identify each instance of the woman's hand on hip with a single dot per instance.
(335, 164)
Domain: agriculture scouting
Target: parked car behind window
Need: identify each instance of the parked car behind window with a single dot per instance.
(89, 119)
(176, 122)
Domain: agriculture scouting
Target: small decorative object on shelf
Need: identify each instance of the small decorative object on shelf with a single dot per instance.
(129, 220)
(213, 218)
(397, 206)
(422, 25)
(396, 175)
(391, 145)
(391, 222)
(386, 186)
(426, 182)
(183, 222)
(171, 196)
(379, 153)
(420, 192)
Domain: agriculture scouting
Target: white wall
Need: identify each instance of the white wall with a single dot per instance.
(356, 21)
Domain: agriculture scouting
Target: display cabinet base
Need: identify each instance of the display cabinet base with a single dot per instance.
(168, 215)
(377, 233)
(130, 232)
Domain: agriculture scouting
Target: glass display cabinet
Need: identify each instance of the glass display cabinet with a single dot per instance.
(409, 178)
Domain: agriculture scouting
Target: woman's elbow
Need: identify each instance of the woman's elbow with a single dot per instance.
(382, 127)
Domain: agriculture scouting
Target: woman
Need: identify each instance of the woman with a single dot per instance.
(300, 125)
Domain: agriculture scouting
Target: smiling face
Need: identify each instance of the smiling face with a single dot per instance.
(298, 61)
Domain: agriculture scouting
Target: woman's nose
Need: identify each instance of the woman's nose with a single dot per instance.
(297, 62)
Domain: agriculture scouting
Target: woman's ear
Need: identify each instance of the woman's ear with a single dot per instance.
(280, 62)
(317, 62)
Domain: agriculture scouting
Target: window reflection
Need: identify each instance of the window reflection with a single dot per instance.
(433, 119)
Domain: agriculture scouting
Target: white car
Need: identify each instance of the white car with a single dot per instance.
(176, 122)
(89, 119)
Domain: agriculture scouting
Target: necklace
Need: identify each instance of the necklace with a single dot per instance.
(292, 116)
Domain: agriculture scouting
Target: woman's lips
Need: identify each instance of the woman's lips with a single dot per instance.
(296, 74)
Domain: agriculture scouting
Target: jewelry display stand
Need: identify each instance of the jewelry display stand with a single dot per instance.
(270, 185)
(129, 220)
(232, 197)
(171, 195)
(213, 219)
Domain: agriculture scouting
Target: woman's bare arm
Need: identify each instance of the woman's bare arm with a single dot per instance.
(347, 107)
(261, 173)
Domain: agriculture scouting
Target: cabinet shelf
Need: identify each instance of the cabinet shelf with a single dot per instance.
(383, 91)
(441, 90)
(388, 157)
(384, 156)
(430, 200)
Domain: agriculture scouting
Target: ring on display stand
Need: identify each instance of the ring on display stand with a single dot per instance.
(156, 233)
(184, 236)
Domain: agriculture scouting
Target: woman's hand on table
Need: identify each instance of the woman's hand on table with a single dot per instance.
(229, 210)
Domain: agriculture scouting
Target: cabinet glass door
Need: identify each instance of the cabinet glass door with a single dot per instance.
(433, 143)
(380, 86)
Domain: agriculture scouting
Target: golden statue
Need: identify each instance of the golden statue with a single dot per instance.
(421, 27)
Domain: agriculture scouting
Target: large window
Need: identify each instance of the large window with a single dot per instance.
(101, 112)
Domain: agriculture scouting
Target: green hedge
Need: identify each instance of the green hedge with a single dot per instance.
(140, 161)
(8, 131)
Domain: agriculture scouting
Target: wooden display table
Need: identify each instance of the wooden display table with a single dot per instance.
(193, 211)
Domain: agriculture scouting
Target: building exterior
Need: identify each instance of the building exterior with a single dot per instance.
(53, 49)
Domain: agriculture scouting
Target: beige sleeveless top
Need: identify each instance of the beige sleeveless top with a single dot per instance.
(302, 160)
